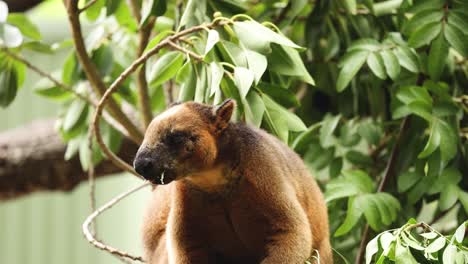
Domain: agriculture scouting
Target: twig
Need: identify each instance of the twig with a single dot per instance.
(124, 75)
(389, 172)
(142, 84)
(92, 73)
(135, 9)
(88, 5)
(89, 236)
(48, 76)
(185, 51)
(91, 178)
(168, 92)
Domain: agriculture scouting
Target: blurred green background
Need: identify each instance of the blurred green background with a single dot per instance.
(46, 227)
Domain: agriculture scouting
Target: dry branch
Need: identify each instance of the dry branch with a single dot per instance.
(32, 159)
(90, 219)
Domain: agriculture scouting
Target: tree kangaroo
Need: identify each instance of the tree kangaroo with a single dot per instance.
(239, 195)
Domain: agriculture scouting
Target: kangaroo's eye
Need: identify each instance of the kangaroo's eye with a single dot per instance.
(177, 138)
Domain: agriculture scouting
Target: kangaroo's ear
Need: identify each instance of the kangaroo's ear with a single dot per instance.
(223, 113)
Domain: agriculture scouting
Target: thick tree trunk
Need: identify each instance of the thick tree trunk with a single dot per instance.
(32, 159)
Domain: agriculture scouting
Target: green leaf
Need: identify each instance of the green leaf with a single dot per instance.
(353, 213)
(232, 53)
(194, 14)
(372, 248)
(421, 19)
(216, 75)
(326, 131)
(48, 89)
(350, 6)
(449, 254)
(408, 179)
(457, 39)
(284, 97)
(392, 66)
(275, 120)
(103, 58)
(257, 63)
(3, 12)
(433, 142)
(263, 36)
(460, 232)
(10, 36)
(254, 108)
(152, 8)
(26, 27)
(201, 86)
(350, 69)
(335, 167)
(371, 212)
(8, 86)
(243, 78)
(437, 57)
(425, 34)
(317, 158)
(157, 39)
(71, 70)
(376, 64)
(409, 94)
(364, 44)
(72, 148)
(448, 140)
(286, 61)
(358, 158)
(448, 197)
(403, 255)
(76, 115)
(408, 58)
(93, 12)
(213, 38)
(458, 20)
(370, 131)
(165, 68)
(436, 245)
(37, 46)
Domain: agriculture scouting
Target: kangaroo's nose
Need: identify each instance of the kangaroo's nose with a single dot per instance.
(143, 166)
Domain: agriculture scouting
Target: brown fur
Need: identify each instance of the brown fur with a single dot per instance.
(239, 196)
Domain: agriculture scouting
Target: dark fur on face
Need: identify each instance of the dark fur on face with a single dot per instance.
(182, 140)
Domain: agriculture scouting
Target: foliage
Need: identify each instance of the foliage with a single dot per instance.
(372, 95)
(418, 243)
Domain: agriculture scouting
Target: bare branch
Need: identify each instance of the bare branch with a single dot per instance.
(46, 75)
(185, 51)
(142, 84)
(90, 219)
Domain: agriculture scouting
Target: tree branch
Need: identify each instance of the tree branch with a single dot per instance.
(31, 162)
(92, 73)
(142, 84)
(389, 173)
(46, 75)
(90, 219)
